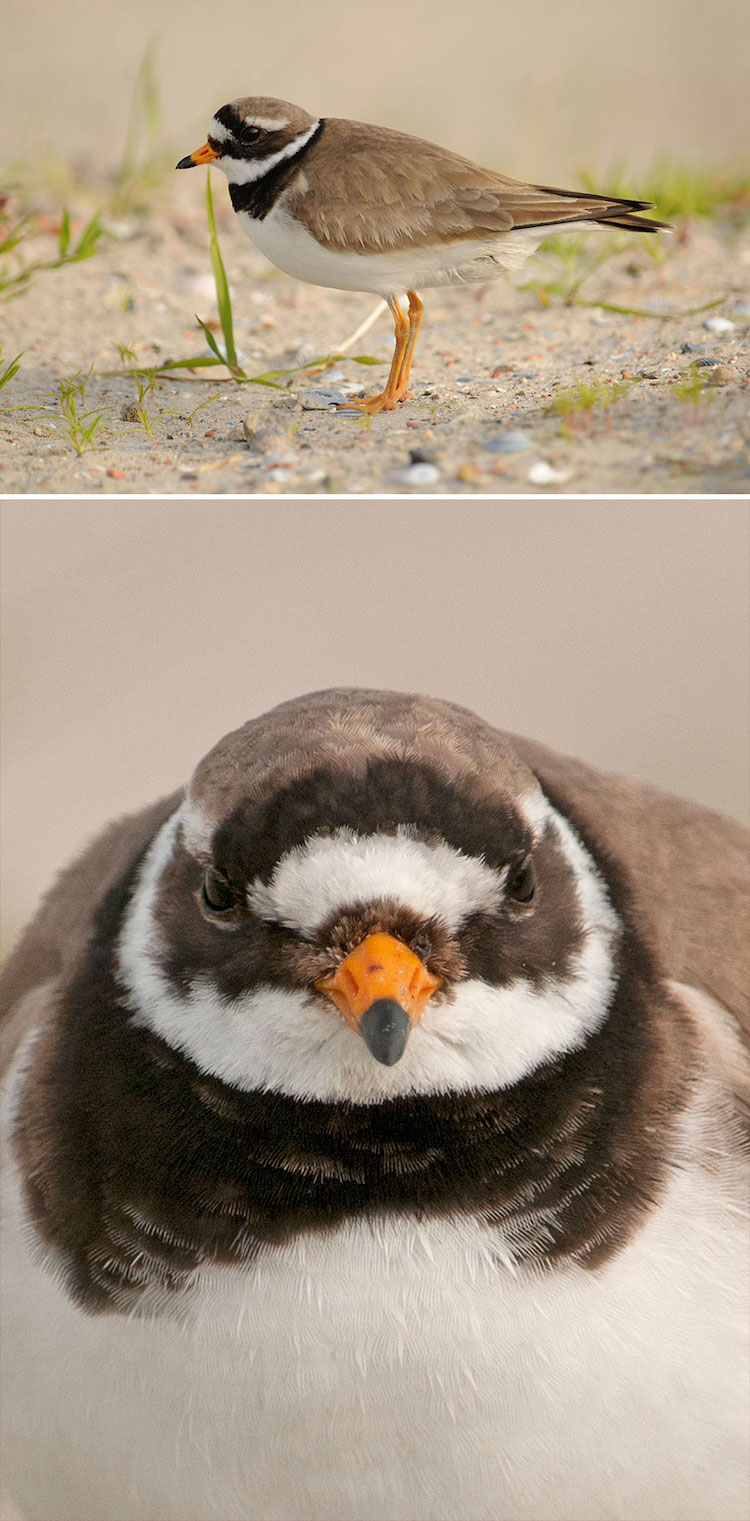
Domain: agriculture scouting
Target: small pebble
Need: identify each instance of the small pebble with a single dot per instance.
(720, 374)
(706, 362)
(421, 456)
(602, 318)
(544, 474)
(421, 474)
(321, 399)
(691, 348)
(510, 441)
(718, 325)
(129, 411)
(742, 309)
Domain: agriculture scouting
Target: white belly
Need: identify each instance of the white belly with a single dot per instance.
(393, 1374)
(292, 248)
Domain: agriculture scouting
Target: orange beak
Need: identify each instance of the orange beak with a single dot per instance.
(381, 990)
(202, 155)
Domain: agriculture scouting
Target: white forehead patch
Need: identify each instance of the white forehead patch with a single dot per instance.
(338, 871)
(218, 131)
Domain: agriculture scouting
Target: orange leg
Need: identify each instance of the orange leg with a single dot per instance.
(416, 310)
(388, 399)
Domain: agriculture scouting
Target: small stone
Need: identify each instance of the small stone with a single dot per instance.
(544, 474)
(116, 475)
(718, 325)
(321, 399)
(418, 475)
(720, 374)
(421, 456)
(742, 309)
(691, 348)
(129, 411)
(510, 441)
(707, 362)
(602, 318)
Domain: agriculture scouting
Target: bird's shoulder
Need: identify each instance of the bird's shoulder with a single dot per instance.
(53, 940)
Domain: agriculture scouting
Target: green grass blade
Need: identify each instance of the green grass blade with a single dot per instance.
(210, 340)
(638, 311)
(223, 299)
(12, 368)
(63, 241)
(89, 238)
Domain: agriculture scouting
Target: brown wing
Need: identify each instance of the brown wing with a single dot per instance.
(377, 191)
(690, 868)
(54, 939)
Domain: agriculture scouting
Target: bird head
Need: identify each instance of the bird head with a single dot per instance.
(363, 896)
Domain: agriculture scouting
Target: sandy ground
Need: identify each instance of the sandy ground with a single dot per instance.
(489, 360)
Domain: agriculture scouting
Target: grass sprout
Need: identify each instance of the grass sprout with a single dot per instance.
(577, 403)
(79, 427)
(16, 273)
(11, 368)
(692, 387)
(143, 163)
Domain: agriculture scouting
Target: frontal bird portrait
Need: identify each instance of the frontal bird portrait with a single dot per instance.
(374, 1141)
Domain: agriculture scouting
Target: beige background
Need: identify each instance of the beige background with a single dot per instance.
(537, 88)
(134, 638)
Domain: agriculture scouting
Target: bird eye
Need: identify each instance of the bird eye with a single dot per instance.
(522, 882)
(249, 134)
(422, 947)
(216, 893)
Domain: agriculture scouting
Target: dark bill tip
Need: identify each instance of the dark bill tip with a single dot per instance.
(186, 163)
(385, 1030)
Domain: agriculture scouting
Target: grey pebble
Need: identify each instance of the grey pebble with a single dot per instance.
(718, 325)
(421, 474)
(510, 441)
(321, 399)
(692, 348)
(706, 362)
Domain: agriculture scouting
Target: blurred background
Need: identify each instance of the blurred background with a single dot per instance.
(134, 638)
(536, 89)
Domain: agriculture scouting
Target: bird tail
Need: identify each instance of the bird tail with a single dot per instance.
(608, 210)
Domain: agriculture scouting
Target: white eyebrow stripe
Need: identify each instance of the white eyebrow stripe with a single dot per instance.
(221, 133)
(268, 123)
(331, 873)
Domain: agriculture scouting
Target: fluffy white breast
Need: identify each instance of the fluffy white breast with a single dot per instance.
(481, 1037)
(400, 1371)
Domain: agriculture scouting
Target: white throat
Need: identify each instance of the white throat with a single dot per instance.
(482, 1037)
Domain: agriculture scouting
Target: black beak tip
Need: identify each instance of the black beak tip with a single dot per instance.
(186, 163)
(385, 1030)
